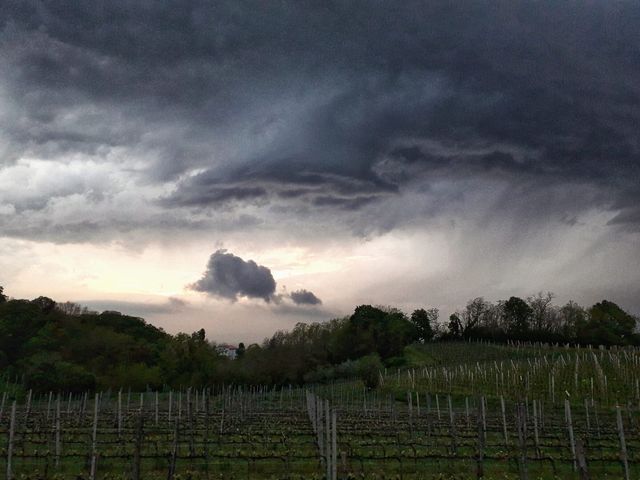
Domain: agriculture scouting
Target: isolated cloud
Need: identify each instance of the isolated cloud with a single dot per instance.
(231, 277)
(304, 297)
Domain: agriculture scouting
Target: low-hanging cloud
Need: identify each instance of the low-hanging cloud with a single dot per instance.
(304, 297)
(229, 276)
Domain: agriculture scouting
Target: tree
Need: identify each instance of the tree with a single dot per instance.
(45, 304)
(455, 326)
(3, 297)
(369, 368)
(73, 309)
(610, 324)
(574, 319)
(240, 350)
(517, 316)
(424, 320)
(541, 314)
(473, 315)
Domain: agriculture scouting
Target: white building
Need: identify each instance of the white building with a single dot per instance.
(227, 350)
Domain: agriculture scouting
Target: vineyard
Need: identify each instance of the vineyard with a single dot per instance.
(472, 411)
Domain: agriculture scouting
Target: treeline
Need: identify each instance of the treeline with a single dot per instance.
(46, 346)
(374, 337)
(49, 346)
(537, 319)
(355, 346)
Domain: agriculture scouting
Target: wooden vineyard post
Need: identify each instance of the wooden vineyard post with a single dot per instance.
(120, 414)
(58, 448)
(438, 406)
(586, 414)
(327, 438)
(334, 447)
(567, 413)
(192, 448)
(174, 452)
(522, 440)
(138, 447)
(466, 409)
(410, 407)
(452, 427)
(170, 405)
(536, 437)
(4, 398)
(481, 440)
(12, 427)
(319, 427)
(94, 438)
(157, 410)
(27, 410)
(48, 405)
(206, 435)
(428, 415)
(623, 443)
(594, 407)
(504, 422)
(583, 471)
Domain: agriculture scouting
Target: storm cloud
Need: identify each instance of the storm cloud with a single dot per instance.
(231, 277)
(304, 297)
(299, 124)
(328, 107)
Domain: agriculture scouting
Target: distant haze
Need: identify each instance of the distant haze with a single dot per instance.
(240, 166)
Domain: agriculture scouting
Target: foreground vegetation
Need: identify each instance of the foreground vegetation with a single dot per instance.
(378, 394)
(48, 346)
(438, 422)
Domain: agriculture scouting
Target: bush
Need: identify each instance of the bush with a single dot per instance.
(369, 368)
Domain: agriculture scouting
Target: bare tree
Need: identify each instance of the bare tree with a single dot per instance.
(71, 308)
(541, 305)
(474, 314)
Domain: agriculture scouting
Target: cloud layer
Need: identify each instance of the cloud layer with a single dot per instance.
(319, 107)
(300, 124)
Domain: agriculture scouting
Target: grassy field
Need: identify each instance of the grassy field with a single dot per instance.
(458, 411)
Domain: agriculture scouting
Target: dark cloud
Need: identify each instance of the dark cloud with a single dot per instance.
(331, 106)
(304, 297)
(230, 277)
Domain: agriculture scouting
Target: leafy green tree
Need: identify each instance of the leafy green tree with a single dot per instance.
(574, 320)
(3, 297)
(240, 350)
(609, 324)
(517, 316)
(423, 320)
(455, 326)
(368, 369)
(45, 304)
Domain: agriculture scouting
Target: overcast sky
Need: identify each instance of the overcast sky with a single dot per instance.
(242, 166)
